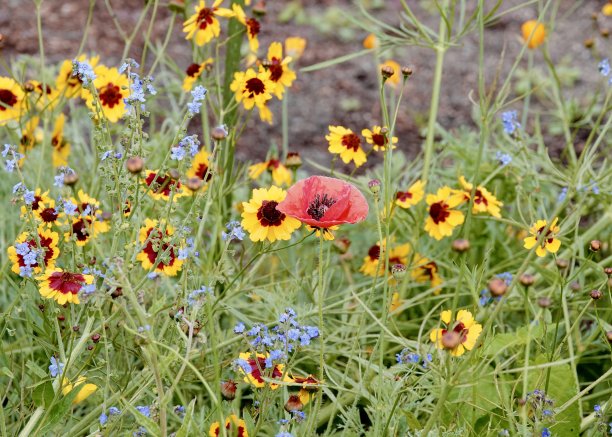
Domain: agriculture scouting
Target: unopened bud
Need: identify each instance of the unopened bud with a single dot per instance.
(451, 339)
(605, 32)
(70, 178)
(117, 292)
(228, 389)
(259, 8)
(589, 43)
(575, 286)
(294, 404)
(562, 263)
(294, 160)
(386, 72)
(595, 245)
(28, 87)
(95, 338)
(61, 317)
(407, 72)
(374, 186)
(497, 287)
(609, 336)
(461, 245)
(134, 164)
(174, 174)
(398, 271)
(596, 294)
(544, 302)
(527, 279)
(76, 328)
(219, 133)
(194, 184)
(608, 271)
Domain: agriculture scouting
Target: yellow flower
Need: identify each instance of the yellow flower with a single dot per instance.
(484, 201)
(200, 168)
(395, 79)
(84, 228)
(235, 427)
(256, 370)
(442, 218)
(11, 100)
(31, 135)
(370, 41)
(41, 200)
(425, 270)
(607, 9)
(61, 148)
(396, 302)
(85, 390)
(47, 241)
(373, 265)
(263, 221)
(534, 33)
(162, 187)
(45, 98)
(252, 88)
(203, 26)
(378, 138)
(193, 73)
(280, 174)
(112, 88)
(278, 67)
(327, 232)
(157, 248)
(294, 46)
(62, 286)
(458, 337)
(409, 198)
(347, 144)
(549, 241)
(71, 86)
(253, 26)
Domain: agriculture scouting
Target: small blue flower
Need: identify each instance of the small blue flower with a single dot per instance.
(510, 122)
(177, 153)
(145, 410)
(239, 328)
(84, 71)
(243, 364)
(604, 67)
(546, 432)
(58, 181)
(199, 93)
(56, 367)
(284, 434)
(562, 195)
(503, 158)
(103, 419)
(235, 232)
(114, 411)
(197, 297)
(179, 410)
(190, 143)
(29, 197)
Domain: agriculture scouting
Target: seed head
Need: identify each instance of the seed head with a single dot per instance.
(589, 43)
(596, 294)
(194, 184)
(562, 263)
(461, 245)
(219, 133)
(595, 245)
(451, 339)
(386, 72)
(294, 160)
(497, 287)
(293, 404)
(134, 164)
(71, 178)
(608, 271)
(544, 302)
(406, 72)
(228, 389)
(527, 279)
(374, 186)
(604, 32)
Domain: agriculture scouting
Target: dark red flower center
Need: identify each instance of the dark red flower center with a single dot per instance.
(203, 173)
(36, 203)
(403, 196)
(549, 238)
(273, 163)
(48, 215)
(81, 228)
(374, 252)
(268, 215)
(430, 269)
(253, 27)
(47, 89)
(7, 98)
(65, 282)
(438, 212)
(351, 141)
(255, 86)
(45, 244)
(379, 140)
(163, 184)
(276, 69)
(110, 95)
(319, 206)
(480, 198)
(259, 365)
(193, 69)
(156, 246)
(205, 17)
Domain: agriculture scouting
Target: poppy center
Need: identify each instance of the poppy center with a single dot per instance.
(438, 212)
(193, 69)
(7, 98)
(255, 86)
(205, 17)
(268, 215)
(319, 206)
(110, 95)
(66, 282)
(276, 69)
(351, 141)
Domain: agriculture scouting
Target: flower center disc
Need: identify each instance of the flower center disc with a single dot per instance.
(319, 206)
(255, 86)
(438, 212)
(7, 98)
(351, 141)
(268, 215)
(110, 95)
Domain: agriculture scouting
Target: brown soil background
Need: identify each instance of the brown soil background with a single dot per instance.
(345, 94)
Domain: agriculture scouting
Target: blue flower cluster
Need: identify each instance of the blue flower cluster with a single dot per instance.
(84, 71)
(198, 297)
(12, 157)
(605, 70)
(58, 180)
(188, 250)
(510, 122)
(234, 232)
(138, 87)
(503, 158)
(541, 405)
(407, 357)
(21, 191)
(112, 411)
(189, 144)
(29, 255)
(198, 94)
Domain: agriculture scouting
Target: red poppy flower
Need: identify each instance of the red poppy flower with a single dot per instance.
(324, 202)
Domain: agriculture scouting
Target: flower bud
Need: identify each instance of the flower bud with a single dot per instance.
(194, 184)
(374, 186)
(90, 347)
(544, 302)
(28, 87)
(117, 292)
(386, 72)
(461, 245)
(174, 174)
(70, 178)
(451, 339)
(61, 317)
(596, 294)
(497, 287)
(562, 263)
(76, 328)
(134, 164)
(608, 271)
(595, 245)
(575, 286)
(604, 33)
(228, 389)
(293, 404)
(95, 338)
(342, 244)
(219, 133)
(259, 8)
(609, 336)
(406, 72)
(527, 279)
(293, 160)
(589, 43)
(398, 271)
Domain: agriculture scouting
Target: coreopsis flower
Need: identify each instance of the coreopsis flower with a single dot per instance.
(252, 89)
(534, 33)
(295, 46)
(84, 389)
(158, 250)
(607, 9)
(425, 270)
(112, 88)
(31, 135)
(203, 26)
(200, 168)
(344, 142)
(280, 73)
(262, 219)
(40, 200)
(373, 265)
(29, 250)
(324, 202)
(484, 201)
(549, 241)
(280, 174)
(327, 233)
(62, 286)
(370, 41)
(193, 73)
(459, 336)
(84, 228)
(234, 426)
(378, 138)
(162, 187)
(395, 79)
(71, 85)
(442, 218)
(254, 369)
(44, 97)
(61, 148)
(253, 27)
(412, 196)
(11, 100)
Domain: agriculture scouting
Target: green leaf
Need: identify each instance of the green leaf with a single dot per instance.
(31, 365)
(184, 429)
(43, 394)
(503, 341)
(143, 420)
